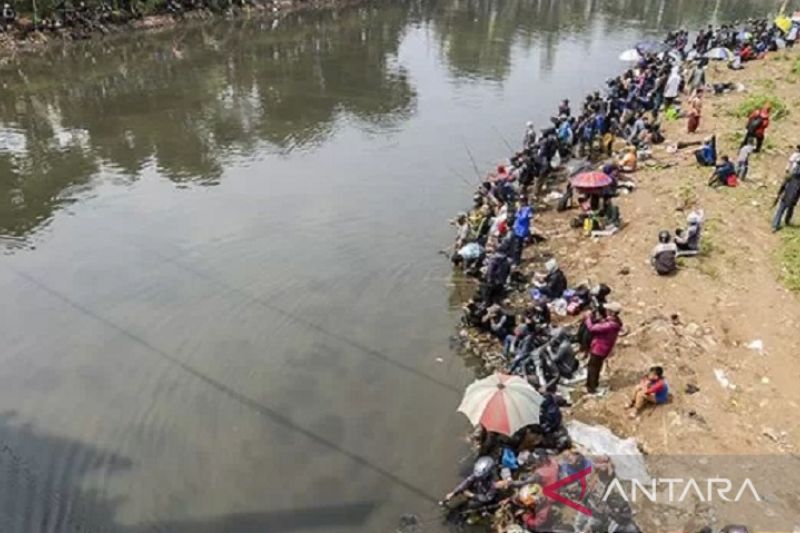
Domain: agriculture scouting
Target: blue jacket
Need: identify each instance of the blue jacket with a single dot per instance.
(522, 224)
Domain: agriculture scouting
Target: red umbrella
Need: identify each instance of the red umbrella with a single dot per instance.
(591, 180)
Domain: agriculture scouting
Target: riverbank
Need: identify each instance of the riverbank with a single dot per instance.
(711, 317)
(722, 326)
(25, 39)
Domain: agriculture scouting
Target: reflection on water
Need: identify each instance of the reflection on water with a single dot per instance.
(189, 101)
(256, 356)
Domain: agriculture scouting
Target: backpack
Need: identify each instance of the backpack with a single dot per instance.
(754, 124)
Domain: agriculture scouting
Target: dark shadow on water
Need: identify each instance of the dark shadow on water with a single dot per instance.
(301, 519)
(43, 479)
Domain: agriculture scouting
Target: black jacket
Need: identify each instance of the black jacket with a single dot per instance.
(790, 190)
(554, 284)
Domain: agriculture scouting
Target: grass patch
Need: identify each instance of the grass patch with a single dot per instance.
(757, 101)
(767, 84)
(735, 137)
(687, 193)
(709, 242)
(796, 67)
(789, 258)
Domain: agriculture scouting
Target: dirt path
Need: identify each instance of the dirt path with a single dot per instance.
(724, 300)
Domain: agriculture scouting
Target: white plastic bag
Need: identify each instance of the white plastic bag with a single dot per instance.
(624, 453)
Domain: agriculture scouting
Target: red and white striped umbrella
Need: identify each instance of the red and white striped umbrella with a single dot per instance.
(591, 180)
(501, 403)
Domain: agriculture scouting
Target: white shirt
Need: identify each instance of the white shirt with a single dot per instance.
(673, 84)
(794, 159)
(744, 153)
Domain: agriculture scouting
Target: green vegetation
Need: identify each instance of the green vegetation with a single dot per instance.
(767, 83)
(710, 238)
(757, 101)
(788, 257)
(735, 137)
(120, 10)
(687, 193)
(796, 67)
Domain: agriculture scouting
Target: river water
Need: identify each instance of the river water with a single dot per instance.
(224, 310)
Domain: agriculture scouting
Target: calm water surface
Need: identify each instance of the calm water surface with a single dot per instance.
(223, 306)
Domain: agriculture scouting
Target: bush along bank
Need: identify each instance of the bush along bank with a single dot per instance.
(29, 25)
(536, 324)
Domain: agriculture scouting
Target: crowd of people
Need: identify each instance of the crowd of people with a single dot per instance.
(611, 131)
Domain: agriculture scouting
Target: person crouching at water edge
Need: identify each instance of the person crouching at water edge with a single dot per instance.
(604, 333)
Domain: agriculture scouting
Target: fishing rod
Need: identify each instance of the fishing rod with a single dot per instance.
(462, 178)
(508, 144)
(471, 158)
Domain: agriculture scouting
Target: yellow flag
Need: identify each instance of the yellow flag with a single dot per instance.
(784, 23)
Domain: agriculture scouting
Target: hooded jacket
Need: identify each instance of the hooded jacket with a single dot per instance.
(604, 335)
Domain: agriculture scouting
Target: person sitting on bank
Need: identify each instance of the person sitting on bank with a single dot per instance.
(724, 174)
(498, 322)
(629, 160)
(652, 390)
(554, 283)
(688, 240)
(665, 255)
(706, 155)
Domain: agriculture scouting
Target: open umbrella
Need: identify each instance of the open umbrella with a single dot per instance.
(651, 47)
(501, 403)
(591, 180)
(721, 54)
(630, 55)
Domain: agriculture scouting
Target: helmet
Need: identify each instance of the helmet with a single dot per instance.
(664, 237)
(483, 466)
(693, 218)
(735, 529)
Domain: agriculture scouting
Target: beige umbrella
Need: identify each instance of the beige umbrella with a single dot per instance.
(501, 403)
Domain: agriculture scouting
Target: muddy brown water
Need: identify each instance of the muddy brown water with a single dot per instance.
(223, 308)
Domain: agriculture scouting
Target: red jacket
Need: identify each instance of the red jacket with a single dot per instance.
(604, 335)
(762, 128)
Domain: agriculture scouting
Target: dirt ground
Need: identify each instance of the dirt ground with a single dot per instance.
(702, 319)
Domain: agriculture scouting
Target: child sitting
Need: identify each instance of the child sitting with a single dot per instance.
(652, 390)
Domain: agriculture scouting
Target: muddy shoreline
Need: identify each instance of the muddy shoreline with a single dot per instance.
(716, 316)
(24, 39)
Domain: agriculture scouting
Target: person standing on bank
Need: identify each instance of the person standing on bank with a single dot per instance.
(757, 124)
(604, 333)
(788, 195)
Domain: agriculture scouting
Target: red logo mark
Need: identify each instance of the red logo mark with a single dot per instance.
(551, 491)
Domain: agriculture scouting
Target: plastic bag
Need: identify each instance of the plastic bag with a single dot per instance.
(624, 453)
(509, 460)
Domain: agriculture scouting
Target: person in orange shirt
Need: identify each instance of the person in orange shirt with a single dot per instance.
(695, 111)
(629, 160)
